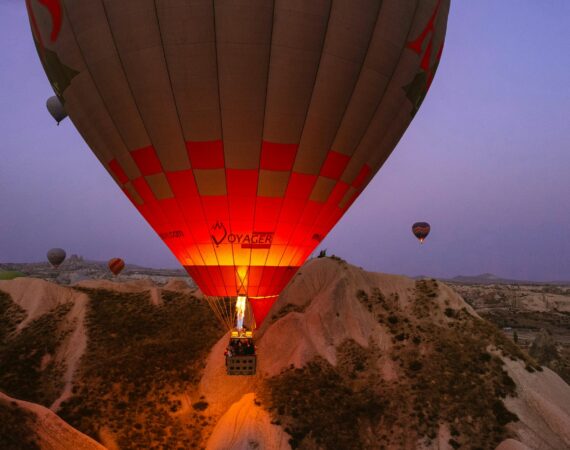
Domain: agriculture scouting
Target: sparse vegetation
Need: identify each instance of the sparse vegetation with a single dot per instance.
(10, 316)
(514, 309)
(16, 428)
(286, 309)
(338, 259)
(140, 359)
(323, 405)
(445, 374)
(549, 353)
(27, 370)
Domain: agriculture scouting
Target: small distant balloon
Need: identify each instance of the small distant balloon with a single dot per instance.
(56, 256)
(56, 108)
(116, 265)
(421, 230)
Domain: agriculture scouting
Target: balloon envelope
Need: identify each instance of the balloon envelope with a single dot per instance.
(56, 256)
(241, 130)
(421, 230)
(56, 108)
(116, 265)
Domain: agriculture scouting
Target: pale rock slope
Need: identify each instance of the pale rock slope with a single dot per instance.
(72, 348)
(542, 406)
(52, 432)
(118, 286)
(177, 284)
(315, 314)
(36, 296)
(247, 426)
(512, 444)
(133, 286)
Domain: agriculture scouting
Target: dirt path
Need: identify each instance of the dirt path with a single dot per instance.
(156, 296)
(74, 347)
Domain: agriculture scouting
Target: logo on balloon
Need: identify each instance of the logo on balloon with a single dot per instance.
(218, 233)
(253, 240)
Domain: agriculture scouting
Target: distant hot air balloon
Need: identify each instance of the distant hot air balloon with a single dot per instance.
(116, 265)
(241, 130)
(56, 256)
(56, 108)
(421, 230)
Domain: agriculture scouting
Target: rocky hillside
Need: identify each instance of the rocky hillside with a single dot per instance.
(537, 317)
(348, 359)
(30, 426)
(75, 269)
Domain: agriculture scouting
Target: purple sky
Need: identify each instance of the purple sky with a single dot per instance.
(486, 161)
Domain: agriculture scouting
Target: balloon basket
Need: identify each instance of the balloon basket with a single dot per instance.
(241, 358)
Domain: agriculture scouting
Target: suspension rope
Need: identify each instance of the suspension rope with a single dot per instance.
(224, 308)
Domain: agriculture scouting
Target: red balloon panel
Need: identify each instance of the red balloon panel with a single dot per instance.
(228, 235)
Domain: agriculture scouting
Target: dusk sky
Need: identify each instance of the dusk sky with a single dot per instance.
(486, 161)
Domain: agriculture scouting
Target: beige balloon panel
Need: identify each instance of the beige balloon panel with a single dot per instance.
(324, 75)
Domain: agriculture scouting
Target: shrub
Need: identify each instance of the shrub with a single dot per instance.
(200, 406)
(139, 356)
(17, 428)
(454, 443)
(21, 355)
(416, 365)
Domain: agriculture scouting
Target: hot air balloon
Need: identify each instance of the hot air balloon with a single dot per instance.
(56, 108)
(241, 130)
(56, 256)
(116, 265)
(421, 230)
